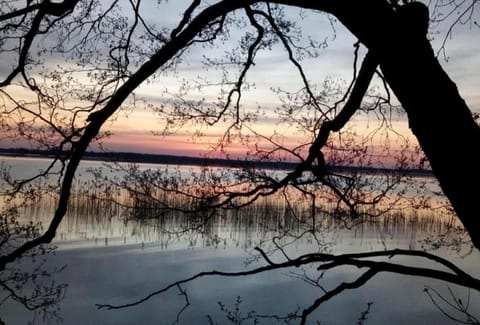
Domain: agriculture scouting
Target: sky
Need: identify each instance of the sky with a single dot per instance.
(272, 69)
(133, 129)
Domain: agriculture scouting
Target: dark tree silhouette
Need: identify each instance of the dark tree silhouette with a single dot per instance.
(452, 275)
(107, 55)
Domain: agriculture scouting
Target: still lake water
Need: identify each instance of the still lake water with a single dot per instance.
(111, 261)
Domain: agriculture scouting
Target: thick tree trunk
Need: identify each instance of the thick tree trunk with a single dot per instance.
(443, 125)
(437, 114)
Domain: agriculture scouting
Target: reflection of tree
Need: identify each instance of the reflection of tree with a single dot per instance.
(175, 207)
(385, 202)
(452, 307)
(28, 282)
(236, 316)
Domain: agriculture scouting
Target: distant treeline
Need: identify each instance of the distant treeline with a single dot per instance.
(132, 157)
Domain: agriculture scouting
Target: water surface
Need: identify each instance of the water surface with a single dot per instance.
(114, 260)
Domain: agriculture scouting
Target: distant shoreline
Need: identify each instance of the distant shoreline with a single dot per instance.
(132, 157)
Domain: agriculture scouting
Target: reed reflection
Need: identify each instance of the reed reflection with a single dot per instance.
(101, 216)
(291, 228)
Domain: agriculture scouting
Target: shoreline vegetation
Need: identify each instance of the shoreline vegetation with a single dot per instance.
(163, 159)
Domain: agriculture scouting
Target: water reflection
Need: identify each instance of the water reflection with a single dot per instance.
(95, 221)
(119, 249)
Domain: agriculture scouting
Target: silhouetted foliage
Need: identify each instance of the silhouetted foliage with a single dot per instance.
(71, 67)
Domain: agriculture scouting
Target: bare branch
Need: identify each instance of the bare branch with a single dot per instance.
(332, 261)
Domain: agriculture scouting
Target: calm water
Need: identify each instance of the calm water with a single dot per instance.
(114, 261)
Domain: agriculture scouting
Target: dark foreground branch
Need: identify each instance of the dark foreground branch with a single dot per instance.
(360, 281)
(329, 261)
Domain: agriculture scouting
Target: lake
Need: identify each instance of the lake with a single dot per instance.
(112, 258)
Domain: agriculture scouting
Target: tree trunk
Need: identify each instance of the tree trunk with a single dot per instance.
(437, 114)
(443, 125)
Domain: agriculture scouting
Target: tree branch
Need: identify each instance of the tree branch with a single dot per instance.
(332, 261)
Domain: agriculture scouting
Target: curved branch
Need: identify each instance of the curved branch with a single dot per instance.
(330, 262)
(292, 59)
(97, 119)
(20, 12)
(339, 289)
(45, 8)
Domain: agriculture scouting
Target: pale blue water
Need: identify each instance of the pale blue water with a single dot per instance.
(116, 262)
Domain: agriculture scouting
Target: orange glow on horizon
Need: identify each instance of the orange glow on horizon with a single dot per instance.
(383, 147)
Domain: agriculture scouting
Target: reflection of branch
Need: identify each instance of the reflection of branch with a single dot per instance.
(363, 316)
(360, 281)
(456, 304)
(183, 292)
(33, 291)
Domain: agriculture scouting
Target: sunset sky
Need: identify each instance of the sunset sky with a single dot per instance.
(272, 69)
